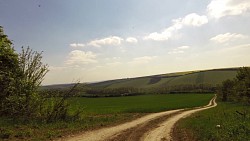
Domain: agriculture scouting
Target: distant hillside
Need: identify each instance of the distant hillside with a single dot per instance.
(58, 86)
(189, 81)
(208, 77)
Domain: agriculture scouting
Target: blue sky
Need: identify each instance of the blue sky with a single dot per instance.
(94, 40)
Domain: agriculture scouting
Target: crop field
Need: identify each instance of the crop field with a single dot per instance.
(233, 120)
(139, 104)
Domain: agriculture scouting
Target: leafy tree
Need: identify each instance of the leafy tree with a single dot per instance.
(242, 85)
(8, 71)
(238, 89)
(32, 72)
(227, 87)
(20, 78)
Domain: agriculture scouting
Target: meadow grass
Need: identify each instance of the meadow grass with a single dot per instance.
(139, 104)
(233, 119)
(99, 112)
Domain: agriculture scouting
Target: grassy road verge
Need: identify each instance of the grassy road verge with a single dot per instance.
(227, 121)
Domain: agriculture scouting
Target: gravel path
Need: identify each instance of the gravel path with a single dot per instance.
(163, 132)
(152, 127)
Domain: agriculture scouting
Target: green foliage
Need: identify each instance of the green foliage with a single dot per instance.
(5, 133)
(238, 89)
(95, 92)
(57, 108)
(25, 102)
(234, 121)
(20, 79)
(8, 71)
(227, 89)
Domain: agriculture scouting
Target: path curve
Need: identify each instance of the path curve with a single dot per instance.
(163, 132)
(159, 127)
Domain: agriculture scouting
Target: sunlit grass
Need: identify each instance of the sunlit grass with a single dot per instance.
(139, 104)
(233, 126)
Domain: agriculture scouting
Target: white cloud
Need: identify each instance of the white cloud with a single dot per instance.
(222, 38)
(166, 34)
(78, 57)
(113, 40)
(142, 60)
(179, 50)
(192, 19)
(183, 47)
(220, 8)
(131, 40)
(76, 45)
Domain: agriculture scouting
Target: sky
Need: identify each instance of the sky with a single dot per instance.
(95, 40)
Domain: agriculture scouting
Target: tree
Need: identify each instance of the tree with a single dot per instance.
(32, 72)
(227, 87)
(8, 71)
(20, 78)
(243, 85)
(238, 89)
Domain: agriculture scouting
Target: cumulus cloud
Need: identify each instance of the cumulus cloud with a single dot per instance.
(222, 38)
(142, 60)
(131, 40)
(192, 19)
(220, 8)
(179, 50)
(78, 57)
(76, 45)
(113, 40)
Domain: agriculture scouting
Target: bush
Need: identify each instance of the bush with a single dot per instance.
(238, 89)
(20, 78)
(8, 72)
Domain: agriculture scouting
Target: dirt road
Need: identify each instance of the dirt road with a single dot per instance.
(152, 127)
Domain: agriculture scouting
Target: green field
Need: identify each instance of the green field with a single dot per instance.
(99, 112)
(141, 104)
(234, 120)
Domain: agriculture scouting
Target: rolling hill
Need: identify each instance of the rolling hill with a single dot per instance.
(179, 82)
(207, 77)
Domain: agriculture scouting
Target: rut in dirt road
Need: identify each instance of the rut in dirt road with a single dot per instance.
(135, 133)
(163, 131)
(108, 133)
(152, 127)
